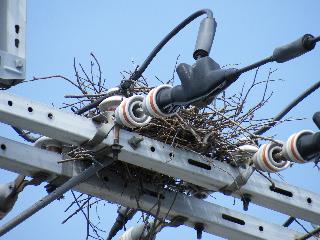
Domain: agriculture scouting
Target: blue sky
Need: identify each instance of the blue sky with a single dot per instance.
(119, 32)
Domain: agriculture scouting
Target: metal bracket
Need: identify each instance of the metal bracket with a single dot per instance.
(37, 179)
(100, 135)
(134, 141)
(12, 42)
(156, 156)
(238, 182)
(216, 220)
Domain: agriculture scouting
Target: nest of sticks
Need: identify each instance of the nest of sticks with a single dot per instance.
(215, 131)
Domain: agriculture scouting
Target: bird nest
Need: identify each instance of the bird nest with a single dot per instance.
(215, 131)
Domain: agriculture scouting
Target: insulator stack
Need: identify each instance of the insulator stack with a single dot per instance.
(150, 106)
(244, 153)
(264, 159)
(110, 104)
(136, 233)
(290, 148)
(130, 113)
(49, 144)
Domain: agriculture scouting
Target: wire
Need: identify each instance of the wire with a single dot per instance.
(122, 219)
(24, 135)
(288, 108)
(288, 222)
(269, 59)
(75, 180)
(310, 234)
(166, 39)
(254, 65)
(153, 53)
(316, 39)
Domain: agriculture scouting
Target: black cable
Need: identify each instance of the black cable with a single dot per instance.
(24, 135)
(254, 65)
(166, 39)
(123, 217)
(316, 39)
(288, 222)
(287, 109)
(136, 75)
(286, 52)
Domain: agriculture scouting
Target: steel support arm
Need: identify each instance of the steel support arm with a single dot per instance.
(28, 160)
(159, 157)
(12, 42)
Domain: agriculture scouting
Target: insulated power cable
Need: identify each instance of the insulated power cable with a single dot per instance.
(316, 39)
(153, 53)
(288, 108)
(167, 38)
(287, 52)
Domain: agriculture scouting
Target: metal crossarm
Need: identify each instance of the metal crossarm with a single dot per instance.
(12, 42)
(162, 158)
(217, 220)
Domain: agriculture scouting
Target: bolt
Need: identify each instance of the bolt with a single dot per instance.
(19, 63)
(134, 141)
(246, 200)
(199, 227)
(116, 148)
(177, 221)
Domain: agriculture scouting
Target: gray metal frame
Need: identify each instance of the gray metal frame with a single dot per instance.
(153, 155)
(28, 160)
(12, 41)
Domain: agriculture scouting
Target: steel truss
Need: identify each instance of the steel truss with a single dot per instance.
(159, 157)
(28, 160)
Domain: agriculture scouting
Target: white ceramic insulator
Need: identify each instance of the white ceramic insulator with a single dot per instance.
(130, 113)
(150, 106)
(6, 199)
(264, 161)
(126, 235)
(113, 90)
(244, 152)
(134, 233)
(248, 149)
(110, 103)
(290, 149)
(45, 143)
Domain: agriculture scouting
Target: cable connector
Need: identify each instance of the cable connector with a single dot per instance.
(205, 37)
(294, 49)
(200, 84)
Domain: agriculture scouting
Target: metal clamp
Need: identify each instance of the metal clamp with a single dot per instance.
(101, 134)
(238, 181)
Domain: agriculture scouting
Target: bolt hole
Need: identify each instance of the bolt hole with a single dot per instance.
(260, 228)
(16, 42)
(106, 179)
(10, 103)
(50, 115)
(152, 149)
(171, 155)
(3, 147)
(30, 109)
(309, 200)
(17, 28)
